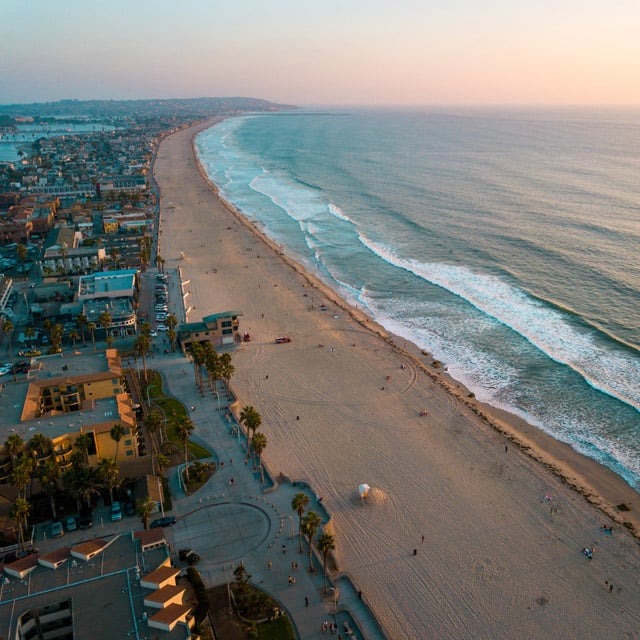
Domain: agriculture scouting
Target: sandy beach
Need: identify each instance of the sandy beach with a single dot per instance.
(496, 512)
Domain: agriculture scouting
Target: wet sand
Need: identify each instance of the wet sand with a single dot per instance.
(504, 510)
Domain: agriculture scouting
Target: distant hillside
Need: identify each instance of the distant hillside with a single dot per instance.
(185, 108)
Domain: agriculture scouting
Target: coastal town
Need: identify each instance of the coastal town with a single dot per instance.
(200, 438)
(101, 460)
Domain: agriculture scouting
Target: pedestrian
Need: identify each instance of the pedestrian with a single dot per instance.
(506, 448)
(284, 548)
(359, 595)
(610, 587)
(269, 564)
(290, 580)
(306, 601)
(422, 539)
(230, 460)
(415, 552)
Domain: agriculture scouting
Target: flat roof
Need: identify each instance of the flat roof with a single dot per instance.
(104, 592)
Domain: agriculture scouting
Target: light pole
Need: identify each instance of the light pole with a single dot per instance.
(160, 495)
(336, 593)
(217, 398)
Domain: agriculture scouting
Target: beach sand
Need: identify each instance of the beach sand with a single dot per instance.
(504, 510)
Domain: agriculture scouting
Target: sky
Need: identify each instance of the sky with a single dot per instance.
(332, 52)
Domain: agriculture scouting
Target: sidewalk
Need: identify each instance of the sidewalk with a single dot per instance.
(234, 520)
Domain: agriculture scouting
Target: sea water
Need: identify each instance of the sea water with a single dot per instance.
(503, 242)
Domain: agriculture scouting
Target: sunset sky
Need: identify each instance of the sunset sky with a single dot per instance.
(305, 52)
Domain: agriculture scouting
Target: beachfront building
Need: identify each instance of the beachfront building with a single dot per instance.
(218, 329)
(114, 587)
(112, 292)
(64, 398)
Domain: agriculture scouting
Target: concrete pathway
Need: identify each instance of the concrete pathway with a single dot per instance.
(235, 518)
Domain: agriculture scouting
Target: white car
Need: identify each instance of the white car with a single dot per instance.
(154, 334)
(162, 327)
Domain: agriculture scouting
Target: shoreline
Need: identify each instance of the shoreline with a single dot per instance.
(340, 406)
(598, 484)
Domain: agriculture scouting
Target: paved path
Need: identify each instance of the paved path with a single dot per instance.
(237, 519)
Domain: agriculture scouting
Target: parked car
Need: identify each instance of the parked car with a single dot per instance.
(154, 334)
(56, 529)
(162, 327)
(71, 523)
(188, 555)
(85, 521)
(282, 340)
(116, 511)
(167, 521)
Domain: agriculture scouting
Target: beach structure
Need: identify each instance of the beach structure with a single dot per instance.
(218, 329)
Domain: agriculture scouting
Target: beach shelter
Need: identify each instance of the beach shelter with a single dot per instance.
(363, 490)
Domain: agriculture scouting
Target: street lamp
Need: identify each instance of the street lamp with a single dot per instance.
(336, 594)
(160, 495)
(217, 398)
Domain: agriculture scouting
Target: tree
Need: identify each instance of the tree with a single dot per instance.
(105, 320)
(310, 524)
(325, 544)
(7, 329)
(48, 475)
(160, 263)
(172, 322)
(82, 443)
(116, 433)
(252, 420)
(92, 326)
(21, 251)
(40, 446)
(82, 323)
(19, 513)
(114, 256)
(21, 475)
(141, 346)
(226, 369)
(163, 462)
(299, 504)
(185, 428)
(258, 444)
(198, 355)
(74, 335)
(14, 445)
(153, 422)
(109, 474)
(145, 510)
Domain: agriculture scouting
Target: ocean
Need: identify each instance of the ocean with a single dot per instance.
(504, 242)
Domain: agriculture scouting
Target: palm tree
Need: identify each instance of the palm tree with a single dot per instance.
(252, 420)
(197, 353)
(82, 443)
(226, 369)
(109, 472)
(160, 263)
(258, 444)
(48, 475)
(163, 462)
(153, 422)
(92, 326)
(211, 365)
(185, 428)
(299, 504)
(116, 433)
(21, 475)
(29, 333)
(326, 543)
(145, 510)
(310, 524)
(7, 329)
(14, 445)
(172, 322)
(82, 323)
(21, 250)
(141, 346)
(19, 514)
(74, 335)
(104, 320)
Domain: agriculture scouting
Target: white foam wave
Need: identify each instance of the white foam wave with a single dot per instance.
(609, 370)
